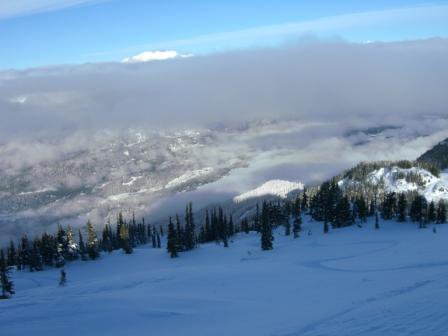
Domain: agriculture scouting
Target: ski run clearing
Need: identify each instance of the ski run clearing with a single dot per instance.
(352, 281)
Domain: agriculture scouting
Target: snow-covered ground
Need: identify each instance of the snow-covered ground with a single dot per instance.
(392, 180)
(279, 188)
(353, 281)
(185, 178)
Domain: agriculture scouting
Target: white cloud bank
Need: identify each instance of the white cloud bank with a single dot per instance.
(375, 83)
(157, 55)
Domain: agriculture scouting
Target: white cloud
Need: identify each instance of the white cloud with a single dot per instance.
(13, 8)
(157, 55)
(374, 24)
(376, 84)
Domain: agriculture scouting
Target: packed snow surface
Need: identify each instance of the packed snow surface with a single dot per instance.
(278, 188)
(353, 281)
(392, 179)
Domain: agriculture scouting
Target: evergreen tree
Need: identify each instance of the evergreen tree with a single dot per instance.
(257, 219)
(245, 225)
(377, 222)
(441, 212)
(326, 228)
(107, 240)
(24, 253)
(35, 258)
(172, 240)
(287, 228)
(120, 223)
(82, 247)
(161, 230)
(190, 229)
(208, 230)
(432, 215)
(72, 247)
(5, 281)
(362, 210)
(92, 242)
(304, 204)
(418, 210)
(224, 232)
(323, 204)
(389, 206)
(297, 226)
(158, 241)
(230, 227)
(11, 255)
(126, 244)
(154, 237)
(266, 229)
(402, 206)
(343, 215)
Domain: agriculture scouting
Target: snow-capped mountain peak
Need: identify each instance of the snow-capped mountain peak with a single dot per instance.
(158, 55)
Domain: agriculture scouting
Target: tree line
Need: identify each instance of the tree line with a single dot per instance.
(328, 204)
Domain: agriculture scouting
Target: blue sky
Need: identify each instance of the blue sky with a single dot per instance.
(47, 32)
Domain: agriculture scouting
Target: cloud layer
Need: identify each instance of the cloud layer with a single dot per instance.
(331, 81)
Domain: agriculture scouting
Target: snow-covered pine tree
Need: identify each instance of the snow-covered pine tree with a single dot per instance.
(72, 247)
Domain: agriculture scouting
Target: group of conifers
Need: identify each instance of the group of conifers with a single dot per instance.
(328, 205)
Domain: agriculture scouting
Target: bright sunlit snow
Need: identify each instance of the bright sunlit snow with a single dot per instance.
(278, 188)
(353, 281)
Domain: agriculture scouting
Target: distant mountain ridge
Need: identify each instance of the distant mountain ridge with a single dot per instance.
(438, 155)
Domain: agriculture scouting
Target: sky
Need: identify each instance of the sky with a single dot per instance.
(37, 33)
(74, 70)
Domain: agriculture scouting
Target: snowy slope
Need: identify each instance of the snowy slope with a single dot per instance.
(392, 179)
(279, 188)
(353, 281)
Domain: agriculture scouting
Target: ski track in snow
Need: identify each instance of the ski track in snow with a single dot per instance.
(352, 281)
